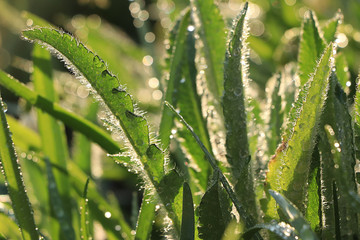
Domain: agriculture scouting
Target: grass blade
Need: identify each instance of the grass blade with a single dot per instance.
(214, 211)
(178, 48)
(146, 213)
(57, 204)
(51, 132)
(294, 216)
(84, 220)
(188, 219)
(190, 103)
(11, 169)
(311, 47)
(210, 25)
(290, 165)
(243, 214)
(77, 123)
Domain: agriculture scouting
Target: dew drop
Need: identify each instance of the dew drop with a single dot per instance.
(107, 214)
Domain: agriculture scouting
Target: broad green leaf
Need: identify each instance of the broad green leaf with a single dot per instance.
(90, 66)
(188, 219)
(311, 47)
(12, 171)
(249, 221)
(294, 216)
(331, 27)
(51, 132)
(57, 204)
(146, 215)
(289, 167)
(211, 28)
(72, 120)
(283, 230)
(214, 212)
(84, 230)
(175, 73)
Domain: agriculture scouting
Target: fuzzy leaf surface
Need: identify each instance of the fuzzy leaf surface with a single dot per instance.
(311, 47)
(289, 167)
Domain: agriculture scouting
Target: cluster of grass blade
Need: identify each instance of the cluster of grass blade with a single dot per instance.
(310, 191)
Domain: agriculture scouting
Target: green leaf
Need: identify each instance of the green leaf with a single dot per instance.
(74, 121)
(289, 167)
(190, 104)
(311, 47)
(342, 71)
(237, 145)
(214, 212)
(84, 230)
(294, 216)
(211, 28)
(145, 218)
(283, 230)
(12, 171)
(188, 219)
(175, 73)
(51, 132)
(57, 204)
(331, 27)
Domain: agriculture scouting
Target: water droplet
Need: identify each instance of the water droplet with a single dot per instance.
(107, 214)
(191, 28)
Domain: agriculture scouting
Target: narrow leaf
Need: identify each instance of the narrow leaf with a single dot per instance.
(57, 205)
(175, 73)
(11, 169)
(51, 132)
(294, 216)
(311, 46)
(289, 167)
(146, 215)
(188, 219)
(84, 220)
(210, 26)
(331, 27)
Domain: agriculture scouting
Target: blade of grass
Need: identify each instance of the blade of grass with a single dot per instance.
(210, 26)
(51, 132)
(11, 169)
(175, 73)
(243, 214)
(84, 220)
(145, 218)
(294, 216)
(74, 121)
(289, 167)
(188, 219)
(57, 204)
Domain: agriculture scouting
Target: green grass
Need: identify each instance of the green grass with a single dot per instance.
(232, 157)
